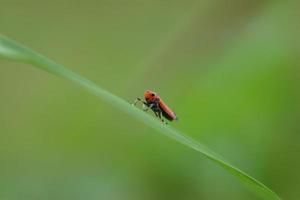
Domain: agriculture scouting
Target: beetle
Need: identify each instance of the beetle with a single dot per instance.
(157, 105)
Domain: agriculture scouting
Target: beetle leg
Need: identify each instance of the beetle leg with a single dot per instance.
(138, 100)
(158, 114)
(146, 107)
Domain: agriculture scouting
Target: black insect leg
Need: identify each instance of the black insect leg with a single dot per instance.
(146, 106)
(139, 100)
(158, 114)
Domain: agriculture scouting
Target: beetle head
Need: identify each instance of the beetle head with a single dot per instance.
(150, 96)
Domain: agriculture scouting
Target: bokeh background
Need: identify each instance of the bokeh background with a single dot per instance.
(229, 69)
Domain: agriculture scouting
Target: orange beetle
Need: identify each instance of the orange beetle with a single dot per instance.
(156, 104)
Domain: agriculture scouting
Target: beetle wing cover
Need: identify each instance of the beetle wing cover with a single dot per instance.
(166, 111)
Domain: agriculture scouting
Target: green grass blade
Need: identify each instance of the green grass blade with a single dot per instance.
(14, 51)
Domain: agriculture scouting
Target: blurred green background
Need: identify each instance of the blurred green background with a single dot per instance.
(229, 69)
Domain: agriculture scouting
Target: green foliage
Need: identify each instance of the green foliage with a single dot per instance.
(14, 51)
